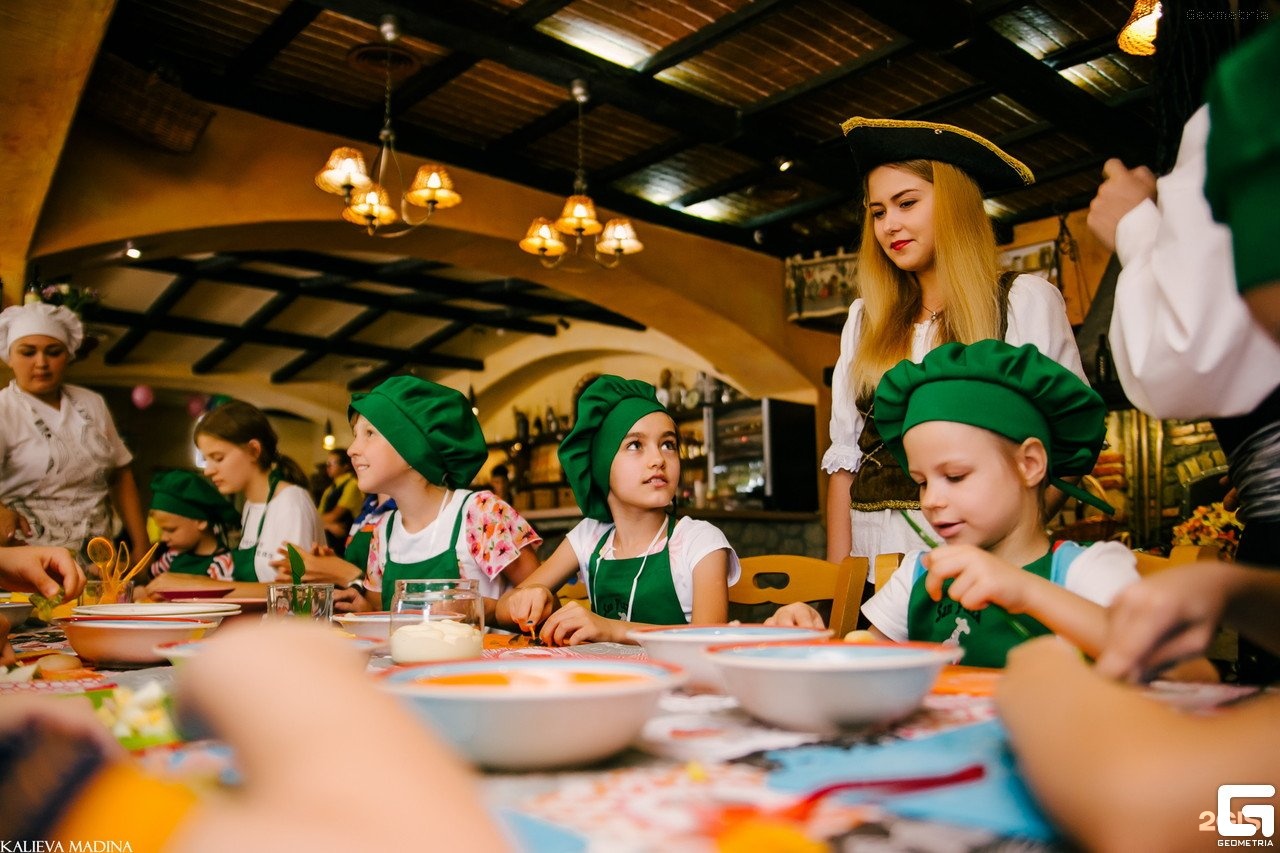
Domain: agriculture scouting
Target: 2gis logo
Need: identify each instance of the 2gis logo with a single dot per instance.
(1250, 825)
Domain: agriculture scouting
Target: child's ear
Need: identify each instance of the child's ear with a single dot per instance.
(1032, 461)
(202, 526)
(255, 449)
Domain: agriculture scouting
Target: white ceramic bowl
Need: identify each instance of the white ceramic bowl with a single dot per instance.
(374, 625)
(823, 686)
(686, 645)
(109, 639)
(534, 714)
(15, 612)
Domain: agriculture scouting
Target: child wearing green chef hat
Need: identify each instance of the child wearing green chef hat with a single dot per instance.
(420, 444)
(194, 520)
(983, 429)
(640, 565)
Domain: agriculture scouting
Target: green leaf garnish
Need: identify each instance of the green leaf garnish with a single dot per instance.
(297, 566)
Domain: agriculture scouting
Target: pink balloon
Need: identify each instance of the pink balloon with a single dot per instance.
(196, 404)
(143, 396)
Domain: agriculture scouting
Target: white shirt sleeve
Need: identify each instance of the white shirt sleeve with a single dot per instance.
(583, 539)
(1101, 572)
(1183, 341)
(887, 609)
(846, 422)
(1038, 315)
(291, 517)
(691, 541)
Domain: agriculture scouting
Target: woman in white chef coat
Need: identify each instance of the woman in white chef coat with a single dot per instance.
(64, 472)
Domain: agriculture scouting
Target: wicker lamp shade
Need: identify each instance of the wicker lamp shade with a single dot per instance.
(1138, 35)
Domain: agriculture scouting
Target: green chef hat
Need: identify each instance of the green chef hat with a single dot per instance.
(431, 426)
(1016, 392)
(192, 496)
(607, 410)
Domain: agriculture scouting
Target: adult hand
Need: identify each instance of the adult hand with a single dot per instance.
(1122, 190)
(14, 529)
(574, 624)
(978, 578)
(44, 570)
(349, 601)
(1164, 619)
(796, 615)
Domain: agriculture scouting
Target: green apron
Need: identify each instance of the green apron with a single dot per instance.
(443, 566)
(986, 635)
(357, 551)
(243, 558)
(192, 564)
(610, 583)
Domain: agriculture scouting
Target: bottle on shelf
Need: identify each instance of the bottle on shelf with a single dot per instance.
(553, 422)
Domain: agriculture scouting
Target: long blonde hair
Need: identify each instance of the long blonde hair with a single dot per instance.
(965, 261)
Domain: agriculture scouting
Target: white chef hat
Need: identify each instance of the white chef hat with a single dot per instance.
(39, 318)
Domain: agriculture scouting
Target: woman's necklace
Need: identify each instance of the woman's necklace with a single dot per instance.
(933, 315)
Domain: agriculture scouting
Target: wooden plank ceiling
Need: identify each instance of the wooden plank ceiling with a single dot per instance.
(694, 103)
(694, 106)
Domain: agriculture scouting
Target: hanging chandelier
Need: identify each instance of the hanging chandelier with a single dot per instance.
(365, 191)
(547, 239)
(1138, 35)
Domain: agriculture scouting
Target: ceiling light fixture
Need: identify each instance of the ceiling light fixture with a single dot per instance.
(578, 219)
(368, 202)
(785, 163)
(131, 251)
(1138, 35)
(330, 441)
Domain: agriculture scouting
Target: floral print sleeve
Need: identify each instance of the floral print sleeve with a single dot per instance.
(496, 533)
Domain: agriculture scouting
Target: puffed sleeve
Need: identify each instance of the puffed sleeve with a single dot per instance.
(1183, 341)
(496, 533)
(1038, 315)
(846, 422)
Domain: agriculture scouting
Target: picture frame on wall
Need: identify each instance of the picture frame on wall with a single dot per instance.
(819, 290)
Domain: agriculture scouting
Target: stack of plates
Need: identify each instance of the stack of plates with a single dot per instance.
(206, 611)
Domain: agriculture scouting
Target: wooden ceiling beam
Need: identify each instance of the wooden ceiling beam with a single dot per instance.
(415, 355)
(417, 304)
(354, 326)
(260, 53)
(274, 307)
(276, 338)
(429, 80)
(705, 38)
(155, 313)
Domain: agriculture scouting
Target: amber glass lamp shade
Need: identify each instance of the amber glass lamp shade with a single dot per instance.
(619, 238)
(344, 172)
(542, 239)
(1138, 35)
(432, 187)
(579, 216)
(370, 207)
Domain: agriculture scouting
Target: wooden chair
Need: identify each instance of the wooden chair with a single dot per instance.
(779, 579)
(1149, 564)
(886, 565)
(576, 591)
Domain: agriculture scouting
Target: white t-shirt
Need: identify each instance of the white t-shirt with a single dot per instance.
(691, 540)
(1037, 315)
(291, 517)
(60, 477)
(1183, 341)
(1098, 574)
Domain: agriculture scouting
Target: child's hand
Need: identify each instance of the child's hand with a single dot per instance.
(796, 615)
(527, 607)
(349, 601)
(980, 578)
(574, 624)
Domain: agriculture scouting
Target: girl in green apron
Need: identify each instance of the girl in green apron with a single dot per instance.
(194, 521)
(420, 444)
(242, 456)
(983, 429)
(641, 566)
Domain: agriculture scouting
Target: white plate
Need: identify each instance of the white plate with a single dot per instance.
(166, 609)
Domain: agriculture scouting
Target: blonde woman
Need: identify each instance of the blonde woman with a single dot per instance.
(927, 275)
